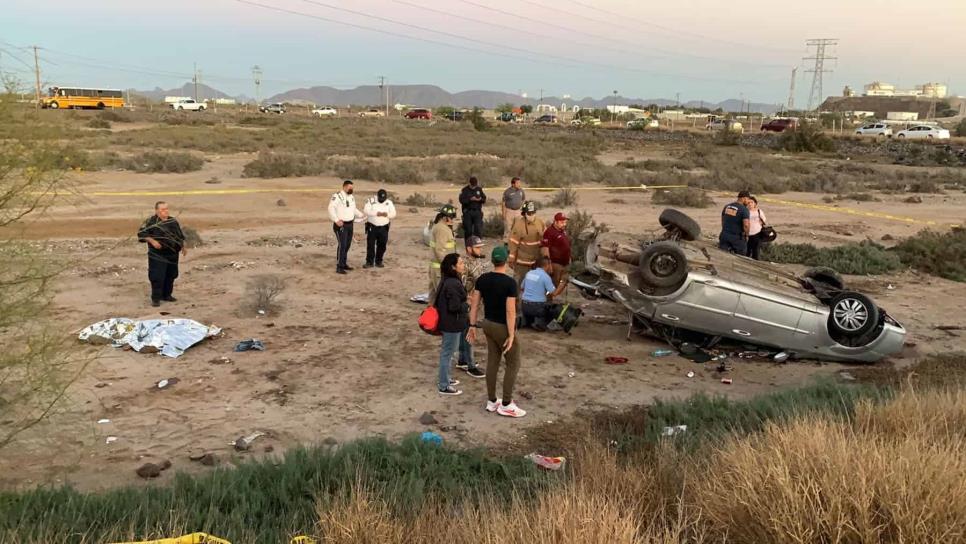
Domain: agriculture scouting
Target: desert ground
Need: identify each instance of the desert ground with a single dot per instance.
(344, 358)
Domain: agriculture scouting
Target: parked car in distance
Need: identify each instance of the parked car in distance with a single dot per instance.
(546, 119)
(875, 129)
(456, 115)
(585, 122)
(642, 123)
(923, 132)
(325, 111)
(507, 117)
(725, 124)
(189, 105)
(278, 108)
(779, 125)
(419, 113)
(372, 112)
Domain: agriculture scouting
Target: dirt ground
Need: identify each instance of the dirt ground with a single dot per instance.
(344, 358)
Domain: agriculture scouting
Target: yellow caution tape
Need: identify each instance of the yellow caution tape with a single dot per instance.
(193, 538)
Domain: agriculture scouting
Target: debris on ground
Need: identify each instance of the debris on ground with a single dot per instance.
(847, 376)
(103, 421)
(170, 337)
(421, 298)
(110, 440)
(153, 470)
(674, 429)
(168, 382)
(615, 360)
(192, 538)
(250, 344)
(427, 419)
(690, 374)
(431, 438)
(207, 459)
(662, 352)
(527, 395)
(726, 381)
(545, 462)
(244, 443)
(220, 361)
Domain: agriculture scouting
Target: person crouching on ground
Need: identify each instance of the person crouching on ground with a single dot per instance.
(453, 318)
(538, 289)
(498, 291)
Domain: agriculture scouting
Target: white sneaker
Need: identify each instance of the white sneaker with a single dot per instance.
(510, 410)
(492, 406)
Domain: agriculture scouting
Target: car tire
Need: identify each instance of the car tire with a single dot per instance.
(688, 228)
(823, 274)
(852, 315)
(663, 265)
(901, 136)
(54, 105)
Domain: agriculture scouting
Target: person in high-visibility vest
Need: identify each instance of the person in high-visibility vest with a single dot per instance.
(442, 242)
(526, 236)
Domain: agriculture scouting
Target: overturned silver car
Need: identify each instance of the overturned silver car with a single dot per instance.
(676, 285)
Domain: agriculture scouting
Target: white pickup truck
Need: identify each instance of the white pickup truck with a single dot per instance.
(189, 104)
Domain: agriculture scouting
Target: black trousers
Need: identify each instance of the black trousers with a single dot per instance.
(472, 223)
(377, 237)
(734, 243)
(162, 271)
(535, 315)
(754, 246)
(343, 235)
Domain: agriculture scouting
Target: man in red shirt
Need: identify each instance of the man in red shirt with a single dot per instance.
(556, 246)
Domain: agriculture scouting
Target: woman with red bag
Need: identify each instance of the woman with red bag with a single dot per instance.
(454, 315)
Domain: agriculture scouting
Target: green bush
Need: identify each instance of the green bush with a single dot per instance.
(564, 198)
(939, 254)
(685, 197)
(582, 229)
(168, 162)
(98, 122)
(114, 117)
(960, 129)
(284, 165)
(727, 137)
(808, 137)
(858, 197)
(421, 200)
(861, 258)
(384, 170)
(479, 123)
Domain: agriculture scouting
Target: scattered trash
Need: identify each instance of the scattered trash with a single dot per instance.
(847, 376)
(220, 361)
(421, 298)
(690, 374)
(167, 382)
(571, 374)
(244, 443)
(674, 429)
(204, 538)
(170, 337)
(688, 348)
(261, 312)
(103, 421)
(427, 419)
(780, 357)
(110, 440)
(431, 437)
(726, 381)
(662, 352)
(251, 344)
(891, 287)
(152, 470)
(302, 539)
(548, 463)
(615, 360)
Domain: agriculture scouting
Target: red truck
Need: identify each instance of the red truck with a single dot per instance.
(419, 113)
(779, 125)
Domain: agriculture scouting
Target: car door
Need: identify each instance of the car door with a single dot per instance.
(707, 305)
(768, 317)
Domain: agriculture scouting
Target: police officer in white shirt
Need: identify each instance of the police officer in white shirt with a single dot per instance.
(379, 212)
(343, 212)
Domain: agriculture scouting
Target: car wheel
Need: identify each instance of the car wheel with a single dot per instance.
(663, 264)
(687, 229)
(901, 136)
(823, 274)
(852, 315)
(54, 105)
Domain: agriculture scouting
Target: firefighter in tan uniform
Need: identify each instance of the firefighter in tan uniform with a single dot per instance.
(442, 242)
(526, 235)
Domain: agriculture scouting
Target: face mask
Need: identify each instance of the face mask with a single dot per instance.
(382, 196)
(348, 191)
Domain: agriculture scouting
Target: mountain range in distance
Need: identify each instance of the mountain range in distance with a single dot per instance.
(430, 96)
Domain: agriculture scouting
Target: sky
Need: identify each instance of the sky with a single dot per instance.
(688, 49)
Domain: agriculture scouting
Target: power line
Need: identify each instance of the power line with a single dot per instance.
(819, 70)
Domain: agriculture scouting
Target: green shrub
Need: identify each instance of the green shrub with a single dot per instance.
(807, 137)
(861, 258)
(582, 229)
(284, 165)
(685, 197)
(421, 200)
(479, 123)
(114, 117)
(940, 254)
(384, 170)
(493, 225)
(564, 198)
(186, 119)
(960, 129)
(727, 137)
(98, 122)
(168, 162)
(858, 197)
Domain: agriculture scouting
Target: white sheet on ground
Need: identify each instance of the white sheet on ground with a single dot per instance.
(171, 337)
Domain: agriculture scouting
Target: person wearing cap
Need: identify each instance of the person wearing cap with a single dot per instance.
(379, 211)
(343, 213)
(498, 293)
(556, 247)
(476, 264)
(525, 239)
(538, 290)
(735, 225)
(472, 198)
(513, 198)
(442, 242)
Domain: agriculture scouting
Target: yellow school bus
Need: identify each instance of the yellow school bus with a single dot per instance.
(76, 97)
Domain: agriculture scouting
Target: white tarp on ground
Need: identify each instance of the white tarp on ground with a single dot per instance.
(171, 337)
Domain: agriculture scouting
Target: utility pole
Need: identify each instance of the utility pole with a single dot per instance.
(818, 71)
(677, 97)
(384, 89)
(195, 81)
(37, 74)
(257, 76)
(791, 90)
(613, 114)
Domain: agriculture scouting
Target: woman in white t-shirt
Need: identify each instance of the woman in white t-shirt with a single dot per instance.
(757, 221)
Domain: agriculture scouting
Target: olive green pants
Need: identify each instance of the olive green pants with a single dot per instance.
(496, 334)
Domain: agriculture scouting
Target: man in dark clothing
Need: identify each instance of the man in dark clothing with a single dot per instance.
(472, 199)
(556, 247)
(735, 222)
(165, 241)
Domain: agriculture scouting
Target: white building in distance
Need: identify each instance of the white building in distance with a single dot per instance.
(926, 90)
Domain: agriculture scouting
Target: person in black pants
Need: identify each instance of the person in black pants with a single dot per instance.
(735, 225)
(472, 199)
(165, 241)
(343, 213)
(379, 211)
